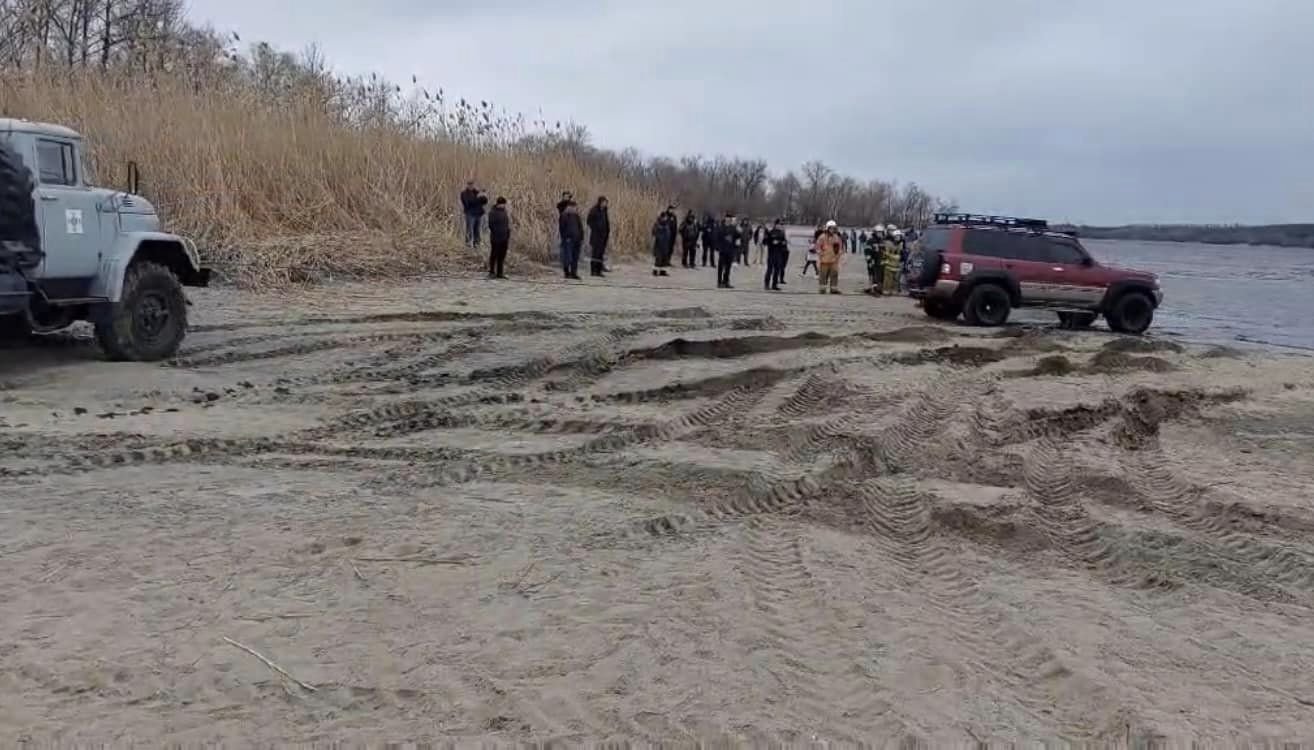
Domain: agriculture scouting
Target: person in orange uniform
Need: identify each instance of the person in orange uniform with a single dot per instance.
(830, 249)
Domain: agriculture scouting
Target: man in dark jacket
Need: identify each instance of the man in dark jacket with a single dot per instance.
(599, 233)
(473, 202)
(777, 247)
(708, 229)
(745, 239)
(572, 236)
(664, 230)
(689, 240)
(729, 239)
(499, 238)
(566, 200)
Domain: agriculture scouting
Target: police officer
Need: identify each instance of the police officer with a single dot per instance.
(777, 248)
(708, 231)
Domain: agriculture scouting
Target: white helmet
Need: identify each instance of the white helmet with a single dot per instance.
(898, 234)
(891, 228)
(831, 224)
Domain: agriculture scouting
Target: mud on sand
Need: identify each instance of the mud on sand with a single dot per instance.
(535, 512)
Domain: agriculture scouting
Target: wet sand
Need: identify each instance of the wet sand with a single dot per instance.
(536, 511)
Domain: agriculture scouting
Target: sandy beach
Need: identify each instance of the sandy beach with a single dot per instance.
(535, 510)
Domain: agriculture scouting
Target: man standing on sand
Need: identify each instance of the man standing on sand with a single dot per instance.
(473, 202)
(830, 249)
(745, 238)
(728, 239)
(572, 236)
(599, 234)
(689, 240)
(499, 238)
(709, 239)
(664, 230)
(777, 248)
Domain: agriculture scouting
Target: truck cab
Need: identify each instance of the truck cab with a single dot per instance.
(96, 245)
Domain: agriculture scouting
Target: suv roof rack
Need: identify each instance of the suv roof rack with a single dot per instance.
(994, 221)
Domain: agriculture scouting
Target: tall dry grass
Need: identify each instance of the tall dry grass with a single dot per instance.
(284, 191)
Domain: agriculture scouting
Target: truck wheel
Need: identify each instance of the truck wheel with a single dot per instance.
(14, 329)
(149, 322)
(941, 310)
(1131, 313)
(1076, 321)
(987, 305)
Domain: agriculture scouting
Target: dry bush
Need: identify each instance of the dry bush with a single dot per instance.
(283, 190)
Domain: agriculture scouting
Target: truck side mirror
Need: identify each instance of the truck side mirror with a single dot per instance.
(134, 179)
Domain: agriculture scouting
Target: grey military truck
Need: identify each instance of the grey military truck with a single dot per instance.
(70, 251)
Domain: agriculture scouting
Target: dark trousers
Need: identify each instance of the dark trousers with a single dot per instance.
(743, 253)
(709, 252)
(724, 260)
(690, 257)
(570, 257)
(497, 255)
(777, 260)
(595, 262)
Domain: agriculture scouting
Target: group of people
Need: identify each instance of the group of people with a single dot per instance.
(725, 243)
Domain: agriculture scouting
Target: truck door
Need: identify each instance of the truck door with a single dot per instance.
(70, 230)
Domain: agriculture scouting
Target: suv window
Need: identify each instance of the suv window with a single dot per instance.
(991, 243)
(1065, 251)
(936, 240)
(55, 163)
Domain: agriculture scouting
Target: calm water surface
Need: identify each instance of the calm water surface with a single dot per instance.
(1226, 293)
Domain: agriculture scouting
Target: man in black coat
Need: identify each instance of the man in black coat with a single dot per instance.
(728, 242)
(777, 247)
(499, 238)
(572, 237)
(664, 230)
(689, 240)
(473, 202)
(599, 233)
(708, 229)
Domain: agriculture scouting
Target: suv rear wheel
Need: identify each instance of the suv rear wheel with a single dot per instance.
(987, 305)
(149, 322)
(940, 309)
(1131, 313)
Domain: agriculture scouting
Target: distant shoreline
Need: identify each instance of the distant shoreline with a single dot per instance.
(1272, 235)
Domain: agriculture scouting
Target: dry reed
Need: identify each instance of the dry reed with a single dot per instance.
(285, 191)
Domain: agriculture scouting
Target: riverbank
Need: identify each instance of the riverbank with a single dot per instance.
(534, 510)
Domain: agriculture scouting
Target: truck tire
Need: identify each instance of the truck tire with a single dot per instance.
(1131, 313)
(150, 320)
(941, 309)
(1074, 321)
(14, 329)
(987, 305)
(17, 208)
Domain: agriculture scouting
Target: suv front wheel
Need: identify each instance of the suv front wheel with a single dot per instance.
(987, 305)
(150, 320)
(1131, 313)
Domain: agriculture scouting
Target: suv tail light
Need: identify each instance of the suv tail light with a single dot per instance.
(945, 268)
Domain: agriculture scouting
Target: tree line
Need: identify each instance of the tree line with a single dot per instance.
(133, 40)
(1278, 235)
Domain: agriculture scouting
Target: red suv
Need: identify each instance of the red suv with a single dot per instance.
(984, 266)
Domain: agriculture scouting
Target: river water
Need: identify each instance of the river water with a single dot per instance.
(1226, 294)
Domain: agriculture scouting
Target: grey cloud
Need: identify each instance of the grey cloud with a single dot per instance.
(1156, 110)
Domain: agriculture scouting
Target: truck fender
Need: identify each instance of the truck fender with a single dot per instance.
(1119, 288)
(175, 253)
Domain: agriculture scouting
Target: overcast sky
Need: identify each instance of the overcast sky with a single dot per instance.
(1109, 111)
